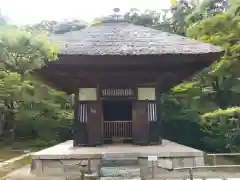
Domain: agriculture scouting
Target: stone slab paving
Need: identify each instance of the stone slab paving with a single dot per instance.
(66, 150)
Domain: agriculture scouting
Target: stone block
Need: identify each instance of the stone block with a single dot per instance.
(119, 178)
(122, 171)
(165, 163)
(61, 167)
(144, 170)
(120, 162)
(36, 166)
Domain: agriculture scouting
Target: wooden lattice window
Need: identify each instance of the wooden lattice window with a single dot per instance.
(82, 113)
(117, 92)
(152, 112)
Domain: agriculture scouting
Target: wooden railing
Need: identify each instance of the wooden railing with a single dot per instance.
(117, 129)
(220, 175)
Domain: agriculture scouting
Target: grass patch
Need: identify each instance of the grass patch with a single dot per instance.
(13, 166)
(17, 149)
(7, 153)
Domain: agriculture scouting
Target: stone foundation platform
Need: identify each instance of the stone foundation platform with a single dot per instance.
(64, 158)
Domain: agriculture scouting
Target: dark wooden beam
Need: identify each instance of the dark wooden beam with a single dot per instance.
(65, 77)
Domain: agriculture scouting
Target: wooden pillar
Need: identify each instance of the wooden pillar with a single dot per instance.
(95, 123)
(75, 124)
(80, 121)
(158, 111)
(140, 125)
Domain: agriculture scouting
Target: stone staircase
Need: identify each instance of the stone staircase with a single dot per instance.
(117, 168)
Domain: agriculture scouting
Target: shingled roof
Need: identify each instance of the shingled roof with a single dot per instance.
(123, 38)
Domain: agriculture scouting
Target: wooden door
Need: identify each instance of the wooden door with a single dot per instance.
(94, 124)
(140, 126)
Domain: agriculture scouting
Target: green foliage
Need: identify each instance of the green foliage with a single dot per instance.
(226, 114)
(223, 129)
(200, 98)
(49, 107)
(23, 51)
(146, 18)
(29, 108)
(223, 76)
(56, 27)
(177, 113)
(170, 20)
(207, 8)
(178, 20)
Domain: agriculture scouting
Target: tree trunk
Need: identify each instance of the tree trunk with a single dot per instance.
(2, 123)
(12, 117)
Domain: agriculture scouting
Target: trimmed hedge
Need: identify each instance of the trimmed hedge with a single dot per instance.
(217, 131)
(223, 129)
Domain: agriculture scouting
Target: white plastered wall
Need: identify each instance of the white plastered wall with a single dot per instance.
(146, 93)
(87, 94)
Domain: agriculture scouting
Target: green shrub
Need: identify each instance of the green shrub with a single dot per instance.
(222, 129)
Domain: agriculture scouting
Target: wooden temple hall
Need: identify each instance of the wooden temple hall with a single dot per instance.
(118, 72)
